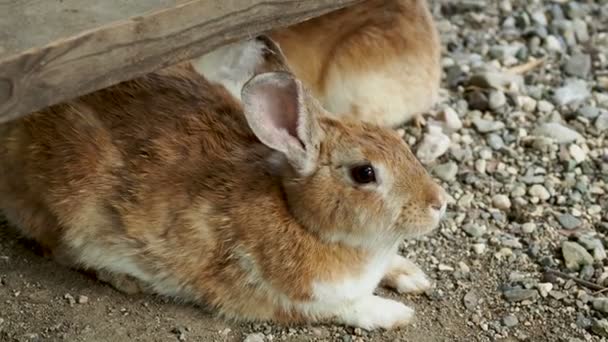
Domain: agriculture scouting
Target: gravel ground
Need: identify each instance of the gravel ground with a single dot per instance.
(520, 142)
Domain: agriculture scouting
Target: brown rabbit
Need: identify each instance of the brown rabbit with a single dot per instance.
(265, 210)
(377, 61)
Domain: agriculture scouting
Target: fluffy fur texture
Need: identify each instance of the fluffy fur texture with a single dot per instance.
(169, 184)
(377, 61)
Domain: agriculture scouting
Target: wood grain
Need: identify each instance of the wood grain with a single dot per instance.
(52, 51)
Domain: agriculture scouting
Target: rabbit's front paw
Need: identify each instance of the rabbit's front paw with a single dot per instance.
(405, 277)
(375, 312)
(121, 282)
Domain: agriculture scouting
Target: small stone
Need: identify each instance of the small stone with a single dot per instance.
(574, 90)
(595, 245)
(70, 299)
(588, 112)
(577, 153)
(180, 332)
(495, 142)
(446, 172)
(501, 202)
(544, 289)
(539, 192)
(481, 165)
(475, 229)
(601, 304)
(510, 321)
(256, 337)
(486, 126)
(553, 44)
(519, 295)
(558, 295)
(528, 228)
(575, 255)
(479, 248)
(320, 332)
(497, 99)
(561, 134)
(580, 30)
(445, 268)
(545, 106)
(464, 268)
(465, 200)
(569, 222)
(496, 80)
(579, 65)
(582, 322)
(478, 100)
(433, 145)
(83, 299)
(601, 123)
(600, 327)
(450, 119)
(471, 299)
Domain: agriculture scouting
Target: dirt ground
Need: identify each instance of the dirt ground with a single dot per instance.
(42, 301)
(474, 270)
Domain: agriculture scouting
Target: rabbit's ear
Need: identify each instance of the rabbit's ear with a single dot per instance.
(275, 108)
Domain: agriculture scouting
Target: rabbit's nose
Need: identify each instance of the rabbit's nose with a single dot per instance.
(437, 199)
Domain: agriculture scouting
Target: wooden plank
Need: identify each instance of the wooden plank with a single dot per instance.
(55, 50)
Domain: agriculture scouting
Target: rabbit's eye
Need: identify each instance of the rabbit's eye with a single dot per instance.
(363, 174)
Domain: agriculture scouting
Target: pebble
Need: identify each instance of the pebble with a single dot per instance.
(519, 295)
(601, 123)
(70, 299)
(595, 245)
(498, 80)
(446, 172)
(528, 228)
(479, 248)
(574, 90)
(553, 44)
(180, 332)
(589, 112)
(497, 99)
(577, 153)
(256, 337)
(578, 65)
(478, 100)
(501, 202)
(545, 106)
(83, 299)
(569, 222)
(450, 119)
(575, 255)
(495, 142)
(470, 300)
(600, 327)
(434, 144)
(510, 321)
(601, 304)
(486, 126)
(465, 200)
(474, 229)
(540, 192)
(544, 289)
(558, 132)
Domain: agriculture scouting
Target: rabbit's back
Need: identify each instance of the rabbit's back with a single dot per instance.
(108, 161)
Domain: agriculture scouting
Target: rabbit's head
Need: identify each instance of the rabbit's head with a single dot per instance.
(346, 181)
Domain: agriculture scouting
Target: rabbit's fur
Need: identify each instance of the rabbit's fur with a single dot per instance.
(169, 184)
(377, 61)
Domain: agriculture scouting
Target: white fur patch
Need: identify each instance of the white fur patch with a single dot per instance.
(231, 65)
(372, 312)
(412, 278)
